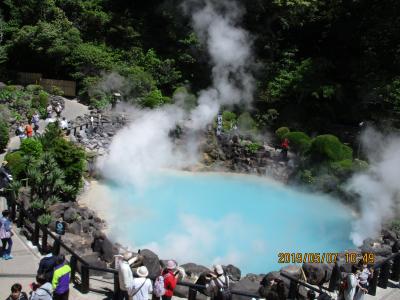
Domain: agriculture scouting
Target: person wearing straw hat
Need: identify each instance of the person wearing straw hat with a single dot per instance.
(142, 286)
(170, 280)
(125, 275)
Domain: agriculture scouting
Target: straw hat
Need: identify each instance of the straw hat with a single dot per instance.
(142, 271)
(171, 264)
(218, 269)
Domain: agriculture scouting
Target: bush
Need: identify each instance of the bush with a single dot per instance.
(253, 147)
(34, 88)
(155, 99)
(298, 141)
(342, 168)
(4, 135)
(43, 99)
(281, 131)
(16, 164)
(45, 219)
(55, 90)
(228, 120)
(329, 147)
(246, 122)
(31, 147)
(307, 177)
(182, 96)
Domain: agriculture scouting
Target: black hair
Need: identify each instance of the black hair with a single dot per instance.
(354, 269)
(41, 279)
(16, 287)
(311, 294)
(5, 213)
(60, 259)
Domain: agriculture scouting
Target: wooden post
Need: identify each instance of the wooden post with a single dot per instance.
(35, 237)
(374, 283)
(293, 290)
(84, 279)
(117, 290)
(44, 239)
(396, 268)
(385, 274)
(73, 264)
(13, 207)
(192, 294)
(21, 217)
(56, 246)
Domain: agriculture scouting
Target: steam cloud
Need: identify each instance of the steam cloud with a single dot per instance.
(379, 187)
(144, 146)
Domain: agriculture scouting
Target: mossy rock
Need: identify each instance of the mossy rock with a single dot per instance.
(281, 131)
(298, 141)
(342, 168)
(16, 164)
(329, 147)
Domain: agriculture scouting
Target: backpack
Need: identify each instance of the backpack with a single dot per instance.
(159, 289)
(224, 292)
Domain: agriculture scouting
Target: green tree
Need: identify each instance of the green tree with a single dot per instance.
(4, 135)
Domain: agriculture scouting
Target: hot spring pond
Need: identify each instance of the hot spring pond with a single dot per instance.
(243, 220)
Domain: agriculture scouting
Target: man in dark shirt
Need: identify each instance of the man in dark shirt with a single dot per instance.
(47, 265)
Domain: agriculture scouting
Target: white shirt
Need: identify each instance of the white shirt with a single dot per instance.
(351, 287)
(64, 124)
(145, 290)
(125, 276)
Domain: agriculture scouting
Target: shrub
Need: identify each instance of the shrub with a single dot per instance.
(45, 219)
(307, 177)
(253, 147)
(55, 90)
(4, 135)
(182, 96)
(43, 99)
(246, 122)
(342, 168)
(16, 164)
(281, 131)
(360, 165)
(329, 147)
(298, 141)
(34, 88)
(31, 147)
(154, 99)
(228, 119)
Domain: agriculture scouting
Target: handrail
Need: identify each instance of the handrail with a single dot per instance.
(305, 284)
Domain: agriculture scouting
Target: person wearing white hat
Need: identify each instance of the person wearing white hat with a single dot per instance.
(170, 279)
(142, 286)
(218, 287)
(125, 275)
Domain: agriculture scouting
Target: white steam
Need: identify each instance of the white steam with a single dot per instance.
(379, 187)
(144, 147)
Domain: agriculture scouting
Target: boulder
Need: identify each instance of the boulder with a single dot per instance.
(74, 228)
(93, 260)
(317, 273)
(389, 234)
(233, 272)
(193, 271)
(70, 215)
(250, 284)
(108, 250)
(377, 248)
(151, 261)
(293, 270)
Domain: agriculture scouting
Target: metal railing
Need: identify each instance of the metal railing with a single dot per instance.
(39, 234)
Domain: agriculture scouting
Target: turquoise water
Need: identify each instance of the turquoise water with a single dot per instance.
(243, 220)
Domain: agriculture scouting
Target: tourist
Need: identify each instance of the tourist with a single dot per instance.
(35, 122)
(61, 278)
(170, 280)
(285, 148)
(47, 265)
(363, 278)
(49, 111)
(125, 275)
(28, 131)
(142, 286)
(17, 293)
(64, 124)
(20, 132)
(58, 109)
(42, 290)
(6, 234)
(218, 287)
(350, 284)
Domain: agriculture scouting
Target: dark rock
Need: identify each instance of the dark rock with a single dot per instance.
(376, 248)
(2, 85)
(293, 270)
(316, 273)
(151, 261)
(108, 250)
(70, 215)
(234, 272)
(74, 228)
(250, 284)
(93, 260)
(389, 234)
(194, 270)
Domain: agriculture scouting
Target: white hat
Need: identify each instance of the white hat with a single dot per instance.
(218, 269)
(171, 264)
(142, 271)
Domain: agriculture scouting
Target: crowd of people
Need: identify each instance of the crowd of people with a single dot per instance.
(355, 284)
(31, 129)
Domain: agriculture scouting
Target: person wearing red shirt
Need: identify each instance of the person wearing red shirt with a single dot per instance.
(170, 280)
(285, 148)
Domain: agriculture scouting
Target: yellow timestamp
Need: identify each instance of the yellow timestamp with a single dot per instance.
(308, 257)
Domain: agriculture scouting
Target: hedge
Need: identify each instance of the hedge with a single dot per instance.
(298, 141)
(329, 147)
